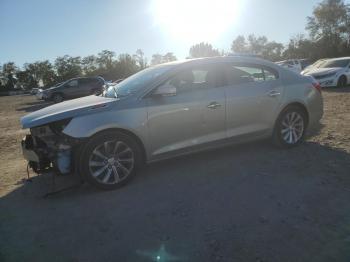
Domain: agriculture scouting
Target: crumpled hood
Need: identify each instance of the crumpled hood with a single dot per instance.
(321, 71)
(67, 109)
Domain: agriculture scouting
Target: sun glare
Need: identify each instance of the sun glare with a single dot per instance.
(196, 20)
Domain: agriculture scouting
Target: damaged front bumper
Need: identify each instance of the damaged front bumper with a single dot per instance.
(36, 162)
(47, 147)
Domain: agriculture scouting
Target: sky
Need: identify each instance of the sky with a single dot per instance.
(45, 29)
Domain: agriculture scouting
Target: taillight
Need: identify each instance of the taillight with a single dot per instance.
(317, 86)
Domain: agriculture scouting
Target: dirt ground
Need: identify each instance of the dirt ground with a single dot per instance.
(245, 203)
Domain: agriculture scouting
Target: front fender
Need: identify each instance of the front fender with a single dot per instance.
(132, 120)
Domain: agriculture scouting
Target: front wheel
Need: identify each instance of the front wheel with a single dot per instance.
(57, 98)
(290, 127)
(110, 160)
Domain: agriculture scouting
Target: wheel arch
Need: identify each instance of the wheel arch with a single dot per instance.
(128, 133)
(57, 93)
(342, 75)
(294, 104)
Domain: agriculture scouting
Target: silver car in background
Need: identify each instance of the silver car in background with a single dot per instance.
(170, 110)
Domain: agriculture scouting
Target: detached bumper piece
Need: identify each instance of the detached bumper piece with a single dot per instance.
(37, 161)
(36, 152)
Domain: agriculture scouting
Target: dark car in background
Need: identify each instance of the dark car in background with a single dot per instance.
(73, 88)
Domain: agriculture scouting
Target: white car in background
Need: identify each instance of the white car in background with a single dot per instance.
(316, 64)
(331, 72)
(296, 65)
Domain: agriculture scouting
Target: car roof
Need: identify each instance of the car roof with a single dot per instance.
(339, 58)
(207, 60)
(86, 77)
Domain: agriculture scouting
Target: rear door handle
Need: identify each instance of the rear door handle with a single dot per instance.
(273, 93)
(213, 105)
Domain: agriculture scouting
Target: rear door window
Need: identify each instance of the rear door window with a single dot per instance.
(200, 77)
(249, 73)
(85, 82)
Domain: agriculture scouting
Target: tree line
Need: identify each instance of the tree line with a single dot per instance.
(328, 31)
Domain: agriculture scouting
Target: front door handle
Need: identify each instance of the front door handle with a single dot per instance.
(273, 93)
(214, 105)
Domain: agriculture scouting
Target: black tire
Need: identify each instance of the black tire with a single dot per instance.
(342, 81)
(88, 156)
(57, 98)
(280, 133)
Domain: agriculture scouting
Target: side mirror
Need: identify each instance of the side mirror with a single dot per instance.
(165, 90)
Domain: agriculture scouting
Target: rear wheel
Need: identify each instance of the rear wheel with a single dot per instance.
(110, 160)
(57, 98)
(290, 127)
(342, 81)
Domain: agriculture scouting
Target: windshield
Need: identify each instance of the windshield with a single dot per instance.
(335, 63)
(136, 82)
(61, 83)
(318, 63)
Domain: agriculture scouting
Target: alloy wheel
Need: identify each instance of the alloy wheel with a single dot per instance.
(57, 98)
(292, 127)
(111, 162)
(342, 81)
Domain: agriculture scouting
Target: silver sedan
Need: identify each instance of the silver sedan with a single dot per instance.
(169, 110)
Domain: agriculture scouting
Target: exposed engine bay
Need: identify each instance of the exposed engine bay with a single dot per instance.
(47, 147)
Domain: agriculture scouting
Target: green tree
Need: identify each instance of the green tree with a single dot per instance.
(203, 50)
(105, 59)
(256, 45)
(41, 72)
(46, 73)
(329, 27)
(301, 47)
(89, 65)
(26, 80)
(159, 59)
(239, 45)
(273, 51)
(8, 71)
(260, 46)
(9, 68)
(140, 59)
(67, 67)
(125, 66)
(156, 59)
(168, 57)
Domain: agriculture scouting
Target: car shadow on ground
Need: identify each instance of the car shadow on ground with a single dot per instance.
(34, 106)
(251, 202)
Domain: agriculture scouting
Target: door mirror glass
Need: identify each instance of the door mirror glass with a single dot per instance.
(165, 90)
